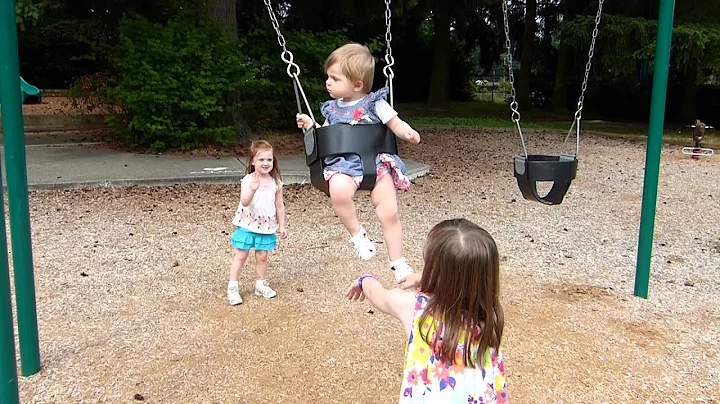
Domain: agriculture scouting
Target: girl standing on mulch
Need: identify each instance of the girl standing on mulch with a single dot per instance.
(454, 323)
(260, 213)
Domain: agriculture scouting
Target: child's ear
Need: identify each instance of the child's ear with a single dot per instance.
(358, 86)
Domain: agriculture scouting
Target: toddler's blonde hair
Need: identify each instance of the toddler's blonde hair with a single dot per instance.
(356, 62)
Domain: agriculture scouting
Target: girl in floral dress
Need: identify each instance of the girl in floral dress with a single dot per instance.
(260, 214)
(454, 323)
(350, 70)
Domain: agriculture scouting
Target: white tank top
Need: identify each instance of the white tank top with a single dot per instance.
(260, 216)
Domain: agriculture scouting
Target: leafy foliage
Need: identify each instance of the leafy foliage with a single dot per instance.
(171, 82)
(624, 41)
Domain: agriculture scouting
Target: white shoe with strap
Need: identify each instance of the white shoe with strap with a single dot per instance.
(364, 248)
(401, 268)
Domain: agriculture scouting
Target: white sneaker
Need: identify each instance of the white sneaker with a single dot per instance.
(233, 294)
(401, 268)
(364, 248)
(262, 288)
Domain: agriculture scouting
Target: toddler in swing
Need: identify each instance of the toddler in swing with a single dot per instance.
(453, 323)
(350, 70)
(260, 214)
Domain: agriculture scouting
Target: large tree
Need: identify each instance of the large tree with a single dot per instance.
(526, 58)
(438, 94)
(559, 96)
(625, 41)
(225, 11)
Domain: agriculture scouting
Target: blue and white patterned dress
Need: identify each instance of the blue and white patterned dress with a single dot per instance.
(362, 112)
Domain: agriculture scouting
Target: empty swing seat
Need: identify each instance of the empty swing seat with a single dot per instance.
(560, 169)
(367, 141)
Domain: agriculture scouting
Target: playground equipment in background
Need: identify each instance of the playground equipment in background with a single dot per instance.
(29, 93)
(698, 133)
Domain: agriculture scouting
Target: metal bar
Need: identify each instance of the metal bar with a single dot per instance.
(654, 147)
(15, 166)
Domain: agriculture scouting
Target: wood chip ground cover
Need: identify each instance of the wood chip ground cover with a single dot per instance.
(131, 286)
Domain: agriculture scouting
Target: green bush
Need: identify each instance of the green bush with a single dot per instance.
(172, 81)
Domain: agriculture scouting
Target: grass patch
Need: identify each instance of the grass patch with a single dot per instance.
(495, 115)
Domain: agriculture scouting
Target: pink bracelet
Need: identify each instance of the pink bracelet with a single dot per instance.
(361, 278)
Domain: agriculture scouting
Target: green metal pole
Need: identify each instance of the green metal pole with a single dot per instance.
(654, 146)
(8, 364)
(15, 166)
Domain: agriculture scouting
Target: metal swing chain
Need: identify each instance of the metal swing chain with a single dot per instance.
(509, 61)
(389, 60)
(293, 70)
(588, 66)
(581, 100)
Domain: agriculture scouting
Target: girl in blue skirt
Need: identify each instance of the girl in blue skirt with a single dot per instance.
(260, 214)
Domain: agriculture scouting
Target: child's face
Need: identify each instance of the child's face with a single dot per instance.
(263, 161)
(340, 86)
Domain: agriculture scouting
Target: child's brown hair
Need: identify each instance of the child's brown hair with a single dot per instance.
(462, 278)
(258, 146)
(356, 63)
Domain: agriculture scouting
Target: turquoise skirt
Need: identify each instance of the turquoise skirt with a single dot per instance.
(243, 239)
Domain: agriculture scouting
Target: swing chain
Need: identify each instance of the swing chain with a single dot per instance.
(293, 70)
(591, 53)
(389, 60)
(286, 55)
(509, 62)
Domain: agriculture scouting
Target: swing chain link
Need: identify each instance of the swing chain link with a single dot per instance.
(509, 62)
(591, 53)
(389, 60)
(293, 70)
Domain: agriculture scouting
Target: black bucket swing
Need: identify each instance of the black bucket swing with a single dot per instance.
(560, 169)
(366, 141)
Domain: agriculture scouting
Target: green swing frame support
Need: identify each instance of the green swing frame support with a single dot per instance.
(17, 188)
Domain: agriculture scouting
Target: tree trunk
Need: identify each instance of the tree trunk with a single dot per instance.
(689, 94)
(225, 11)
(559, 97)
(523, 90)
(439, 78)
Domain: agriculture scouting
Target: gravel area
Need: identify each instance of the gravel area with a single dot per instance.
(131, 286)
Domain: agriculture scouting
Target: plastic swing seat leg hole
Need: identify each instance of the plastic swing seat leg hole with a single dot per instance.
(532, 171)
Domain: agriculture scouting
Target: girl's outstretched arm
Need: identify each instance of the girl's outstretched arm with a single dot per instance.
(395, 302)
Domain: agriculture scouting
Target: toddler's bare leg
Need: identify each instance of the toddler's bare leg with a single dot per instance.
(384, 198)
(342, 191)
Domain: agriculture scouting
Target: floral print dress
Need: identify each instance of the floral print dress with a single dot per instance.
(361, 113)
(427, 379)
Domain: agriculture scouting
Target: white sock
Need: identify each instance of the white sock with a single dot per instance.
(259, 282)
(233, 284)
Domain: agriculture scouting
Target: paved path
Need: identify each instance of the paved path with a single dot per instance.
(68, 166)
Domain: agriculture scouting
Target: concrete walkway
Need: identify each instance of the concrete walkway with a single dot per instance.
(68, 166)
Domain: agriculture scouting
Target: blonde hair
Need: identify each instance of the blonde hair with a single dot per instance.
(258, 146)
(356, 63)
